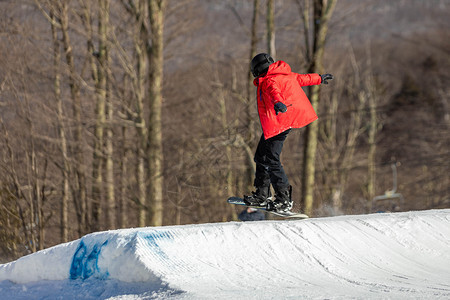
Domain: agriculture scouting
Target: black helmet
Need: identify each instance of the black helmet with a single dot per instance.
(260, 64)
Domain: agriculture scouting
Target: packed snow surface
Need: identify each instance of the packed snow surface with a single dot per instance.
(388, 256)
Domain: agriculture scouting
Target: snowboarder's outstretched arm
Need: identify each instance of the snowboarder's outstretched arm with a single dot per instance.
(313, 79)
(309, 79)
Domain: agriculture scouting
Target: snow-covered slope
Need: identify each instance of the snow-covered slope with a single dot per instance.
(403, 255)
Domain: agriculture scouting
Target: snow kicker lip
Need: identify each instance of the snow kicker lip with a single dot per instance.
(117, 256)
(104, 255)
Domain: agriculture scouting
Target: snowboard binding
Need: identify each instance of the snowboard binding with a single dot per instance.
(257, 201)
(279, 206)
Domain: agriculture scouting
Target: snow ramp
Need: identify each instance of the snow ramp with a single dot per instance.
(393, 256)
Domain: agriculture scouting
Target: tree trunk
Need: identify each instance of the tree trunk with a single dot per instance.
(109, 168)
(141, 125)
(271, 29)
(155, 151)
(228, 209)
(108, 147)
(309, 167)
(142, 190)
(123, 211)
(251, 101)
(62, 136)
(97, 59)
(80, 197)
(372, 151)
(322, 12)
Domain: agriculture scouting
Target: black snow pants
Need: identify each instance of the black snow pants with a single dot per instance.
(268, 166)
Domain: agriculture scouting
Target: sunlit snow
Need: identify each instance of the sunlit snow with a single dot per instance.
(389, 256)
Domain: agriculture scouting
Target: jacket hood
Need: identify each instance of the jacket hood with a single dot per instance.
(277, 68)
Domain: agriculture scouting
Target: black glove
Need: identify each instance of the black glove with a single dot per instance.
(326, 77)
(280, 107)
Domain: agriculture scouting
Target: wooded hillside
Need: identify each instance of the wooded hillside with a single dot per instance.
(117, 114)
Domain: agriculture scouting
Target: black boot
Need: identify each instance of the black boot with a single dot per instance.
(258, 198)
(283, 199)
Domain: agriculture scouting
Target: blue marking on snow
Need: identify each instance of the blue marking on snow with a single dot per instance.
(85, 262)
(76, 269)
(154, 238)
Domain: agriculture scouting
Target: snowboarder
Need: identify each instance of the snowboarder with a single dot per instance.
(282, 105)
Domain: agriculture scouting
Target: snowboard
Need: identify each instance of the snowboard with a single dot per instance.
(286, 214)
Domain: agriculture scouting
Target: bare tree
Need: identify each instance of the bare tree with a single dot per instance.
(249, 101)
(97, 70)
(28, 179)
(149, 46)
(102, 155)
(321, 14)
(65, 169)
(136, 113)
(155, 151)
(221, 95)
(338, 140)
(105, 63)
(80, 192)
(370, 89)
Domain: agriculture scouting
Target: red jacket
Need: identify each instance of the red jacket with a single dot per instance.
(282, 85)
